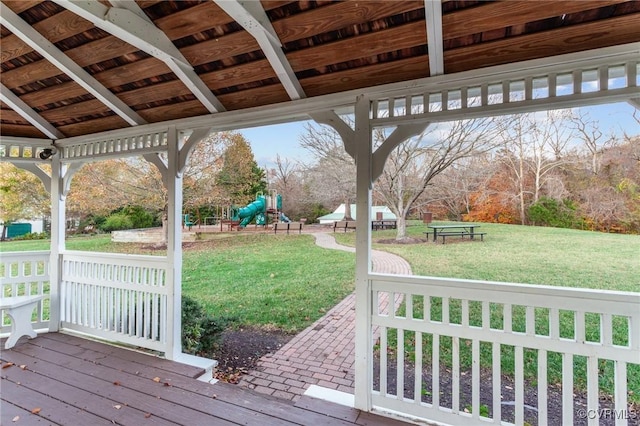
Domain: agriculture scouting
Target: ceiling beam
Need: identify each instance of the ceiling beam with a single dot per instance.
(26, 112)
(433, 17)
(130, 24)
(46, 49)
(252, 17)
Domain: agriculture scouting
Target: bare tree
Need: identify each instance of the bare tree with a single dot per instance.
(287, 179)
(334, 175)
(452, 190)
(589, 132)
(414, 164)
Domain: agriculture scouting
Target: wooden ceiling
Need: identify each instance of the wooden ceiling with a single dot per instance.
(163, 60)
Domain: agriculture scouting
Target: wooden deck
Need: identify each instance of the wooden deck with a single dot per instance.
(66, 380)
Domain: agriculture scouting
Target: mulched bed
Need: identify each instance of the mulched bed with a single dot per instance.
(554, 396)
(239, 350)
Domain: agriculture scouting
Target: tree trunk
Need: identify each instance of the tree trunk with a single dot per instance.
(347, 210)
(401, 231)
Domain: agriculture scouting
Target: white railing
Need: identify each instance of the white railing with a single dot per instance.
(122, 298)
(22, 274)
(465, 352)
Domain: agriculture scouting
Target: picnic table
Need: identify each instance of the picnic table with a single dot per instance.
(457, 230)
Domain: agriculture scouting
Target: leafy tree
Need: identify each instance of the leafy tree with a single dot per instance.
(22, 193)
(240, 177)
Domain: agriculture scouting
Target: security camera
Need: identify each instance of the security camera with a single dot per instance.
(46, 153)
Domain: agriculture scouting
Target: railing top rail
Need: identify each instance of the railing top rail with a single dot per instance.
(532, 289)
(23, 254)
(92, 255)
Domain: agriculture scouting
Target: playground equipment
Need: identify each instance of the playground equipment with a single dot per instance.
(261, 210)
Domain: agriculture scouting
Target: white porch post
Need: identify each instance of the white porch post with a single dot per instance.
(174, 246)
(364, 303)
(58, 226)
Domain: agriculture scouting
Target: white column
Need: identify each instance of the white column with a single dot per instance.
(58, 226)
(174, 247)
(363, 342)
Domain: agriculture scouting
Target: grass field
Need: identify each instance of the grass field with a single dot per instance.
(525, 254)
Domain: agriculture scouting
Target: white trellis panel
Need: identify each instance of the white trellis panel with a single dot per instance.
(118, 297)
(453, 338)
(22, 151)
(116, 146)
(26, 274)
(562, 86)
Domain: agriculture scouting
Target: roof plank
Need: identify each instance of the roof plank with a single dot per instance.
(74, 111)
(88, 54)
(175, 110)
(255, 97)
(592, 35)
(220, 48)
(338, 15)
(367, 45)
(387, 72)
(492, 15)
(194, 20)
(239, 74)
(93, 126)
(54, 29)
(23, 131)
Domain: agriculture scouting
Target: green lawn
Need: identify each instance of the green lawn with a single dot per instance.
(524, 254)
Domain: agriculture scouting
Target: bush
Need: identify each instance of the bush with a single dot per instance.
(32, 236)
(549, 212)
(201, 332)
(140, 218)
(117, 222)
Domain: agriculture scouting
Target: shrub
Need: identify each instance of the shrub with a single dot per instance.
(201, 332)
(140, 218)
(116, 222)
(550, 212)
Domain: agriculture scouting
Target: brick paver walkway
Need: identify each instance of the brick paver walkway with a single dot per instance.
(323, 354)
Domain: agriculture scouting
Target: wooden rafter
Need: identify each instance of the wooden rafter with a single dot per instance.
(253, 18)
(131, 25)
(52, 54)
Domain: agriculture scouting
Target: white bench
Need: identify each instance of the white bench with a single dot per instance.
(20, 308)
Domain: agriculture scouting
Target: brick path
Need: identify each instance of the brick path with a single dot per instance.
(323, 354)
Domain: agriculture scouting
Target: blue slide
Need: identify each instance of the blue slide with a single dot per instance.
(254, 210)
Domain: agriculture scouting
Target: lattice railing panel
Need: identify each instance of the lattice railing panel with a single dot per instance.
(120, 297)
(26, 274)
(459, 352)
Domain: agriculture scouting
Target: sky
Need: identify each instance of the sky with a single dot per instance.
(283, 139)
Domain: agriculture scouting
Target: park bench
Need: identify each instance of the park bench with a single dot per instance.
(20, 309)
(231, 224)
(282, 226)
(383, 224)
(344, 225)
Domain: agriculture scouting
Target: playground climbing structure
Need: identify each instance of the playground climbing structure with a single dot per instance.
(264, 210)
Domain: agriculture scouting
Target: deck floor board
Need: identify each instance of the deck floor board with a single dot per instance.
(78, 381)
